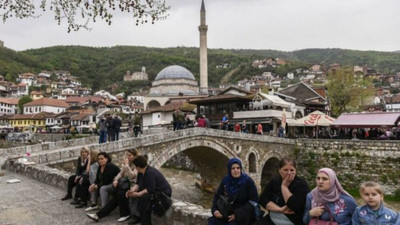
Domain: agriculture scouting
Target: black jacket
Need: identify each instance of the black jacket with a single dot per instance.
(154, 181)
(243, 210)
(107, 177)
(117, 123)
(299, 189)
(79, 168)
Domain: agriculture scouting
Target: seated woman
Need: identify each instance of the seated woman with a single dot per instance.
(284, 196)
(239, 188)
(329, 199)
(104, 177)
(88, 177)
(74, 179)
(121, 184)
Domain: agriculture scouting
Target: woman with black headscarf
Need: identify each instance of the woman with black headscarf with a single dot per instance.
(239, 190)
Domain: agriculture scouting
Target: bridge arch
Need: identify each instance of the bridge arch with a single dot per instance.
(153, 104)
(252, 157)
(270, 165)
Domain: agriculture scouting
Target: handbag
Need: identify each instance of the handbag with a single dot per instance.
(316, 221)
(124, 184)
(161, 203)
(224, 206)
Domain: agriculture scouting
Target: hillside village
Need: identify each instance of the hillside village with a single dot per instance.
(59, 102)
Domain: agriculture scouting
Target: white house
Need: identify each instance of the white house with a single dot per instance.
(27, 78)
(45, 105)
(105, 94)
(67, 91)
(9, 106)
(136, 96)
(19, 90)
(290, 76)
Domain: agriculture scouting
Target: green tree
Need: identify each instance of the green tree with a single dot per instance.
(22, 101)
(78, 14)
(347, 93)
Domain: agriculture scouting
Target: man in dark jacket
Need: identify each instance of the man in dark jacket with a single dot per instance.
(110, 128)
(117, 126)
(150, 181)
(103, 130)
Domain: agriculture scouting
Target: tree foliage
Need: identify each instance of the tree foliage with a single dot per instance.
(347, 93)
(79, 13)
(22, 101)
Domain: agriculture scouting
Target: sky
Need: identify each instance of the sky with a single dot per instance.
(285, 25)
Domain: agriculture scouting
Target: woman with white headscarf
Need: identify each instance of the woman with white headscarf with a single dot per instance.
(328, 199)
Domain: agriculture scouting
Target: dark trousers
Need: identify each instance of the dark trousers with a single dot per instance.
(117, 199)
(111, 134)
(84, 189)
(103, 137)
(136, 130)
(71, 185)
(116, 134)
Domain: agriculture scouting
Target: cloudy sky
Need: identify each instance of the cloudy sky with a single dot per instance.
(239, 24)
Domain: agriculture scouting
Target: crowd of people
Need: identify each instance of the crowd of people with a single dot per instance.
(289, 201)
(134, 188)
(109, 128)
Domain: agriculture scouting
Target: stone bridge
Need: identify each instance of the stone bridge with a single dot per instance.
(208, 150)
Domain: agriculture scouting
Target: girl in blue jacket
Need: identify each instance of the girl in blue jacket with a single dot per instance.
(374, 212)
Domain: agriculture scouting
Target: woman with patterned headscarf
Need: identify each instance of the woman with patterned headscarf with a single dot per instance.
(239, 189)
(328, 199)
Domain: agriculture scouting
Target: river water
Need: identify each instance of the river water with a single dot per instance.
(184, 189)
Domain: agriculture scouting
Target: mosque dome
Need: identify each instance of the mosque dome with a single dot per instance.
(175, 72)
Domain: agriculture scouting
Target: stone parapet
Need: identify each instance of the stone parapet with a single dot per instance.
(180, 213)
(354, 161)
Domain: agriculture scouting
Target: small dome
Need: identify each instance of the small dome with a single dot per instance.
(175, 72)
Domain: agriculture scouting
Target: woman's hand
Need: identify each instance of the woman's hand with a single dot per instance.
(76, 179)
(217, 214)
(92, 188)
(115, 183)
(81, 181)
(231, 218)
(288, 180)
(317, 211)
(285, 210)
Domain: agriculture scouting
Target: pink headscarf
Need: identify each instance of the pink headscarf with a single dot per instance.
(332, 194)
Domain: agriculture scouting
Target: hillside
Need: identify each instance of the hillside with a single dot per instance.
(100, 67)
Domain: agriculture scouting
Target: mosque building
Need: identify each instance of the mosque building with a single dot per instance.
(175, 83)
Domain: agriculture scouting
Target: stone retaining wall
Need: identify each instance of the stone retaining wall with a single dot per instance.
(354, 161)
(180, 213)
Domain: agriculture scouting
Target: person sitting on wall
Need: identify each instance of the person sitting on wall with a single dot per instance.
(237, 187)
(104, 178)
(150, 182)
(74, 179)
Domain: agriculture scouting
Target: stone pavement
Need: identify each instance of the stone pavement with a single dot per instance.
(34, 203)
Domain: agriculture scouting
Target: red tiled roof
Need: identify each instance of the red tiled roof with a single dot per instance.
(36, 116)
(12, 101)
(171, 107)
(80, 116)
(48, 102)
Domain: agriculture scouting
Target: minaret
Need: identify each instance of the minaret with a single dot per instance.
(203, 51)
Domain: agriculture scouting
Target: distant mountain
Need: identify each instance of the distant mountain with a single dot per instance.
(397, 51)
(101, 67)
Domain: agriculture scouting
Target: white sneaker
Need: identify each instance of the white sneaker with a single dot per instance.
(92, 208)
(124, 218)
(93, 216)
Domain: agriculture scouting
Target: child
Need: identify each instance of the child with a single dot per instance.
(374, 212)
